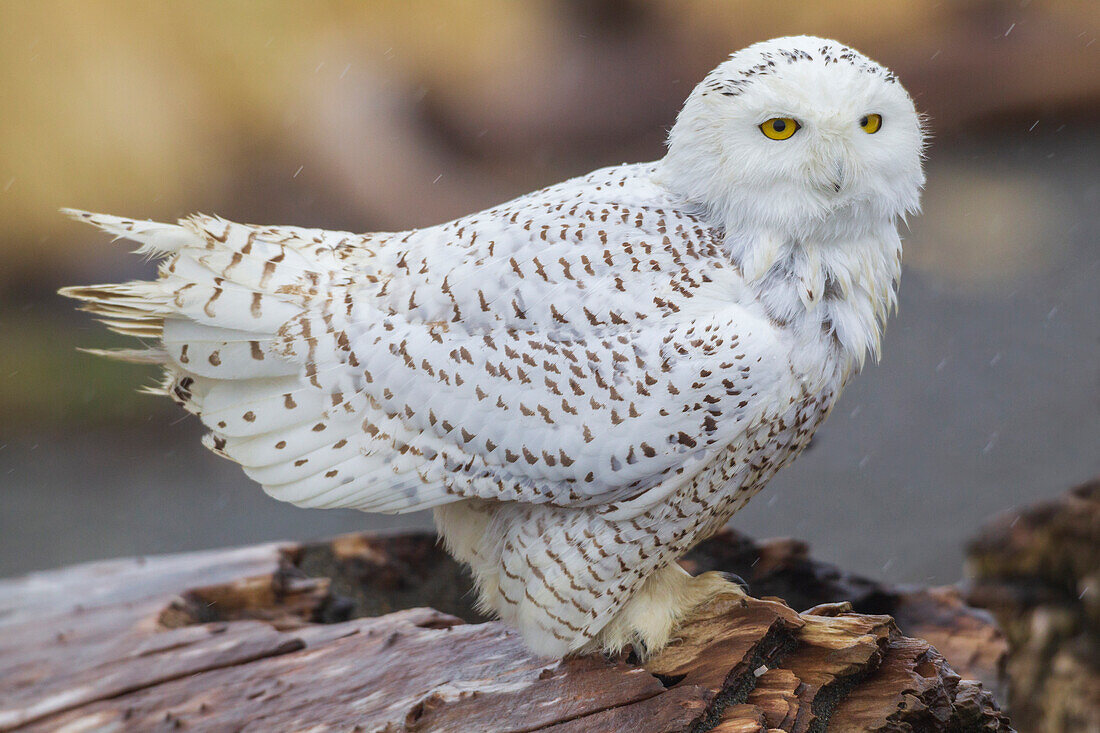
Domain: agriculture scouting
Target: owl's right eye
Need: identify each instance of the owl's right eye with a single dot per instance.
(779, 128)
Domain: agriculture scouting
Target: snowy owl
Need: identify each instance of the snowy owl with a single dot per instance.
(582, 383)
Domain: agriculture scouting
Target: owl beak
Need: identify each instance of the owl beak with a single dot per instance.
(830, 174)
(836, 175)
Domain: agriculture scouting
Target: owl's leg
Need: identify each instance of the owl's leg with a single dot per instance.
(464, 527)
(651, 617)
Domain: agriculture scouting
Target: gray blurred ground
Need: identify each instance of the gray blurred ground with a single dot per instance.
(988, 396)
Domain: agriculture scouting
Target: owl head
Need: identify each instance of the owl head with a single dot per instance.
(797, 134)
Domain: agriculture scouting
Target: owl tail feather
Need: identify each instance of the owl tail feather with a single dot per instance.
(234, 317)
(215, 317)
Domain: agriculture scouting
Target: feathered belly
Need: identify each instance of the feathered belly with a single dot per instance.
(741, 470)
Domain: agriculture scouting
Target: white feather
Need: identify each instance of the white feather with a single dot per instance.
(584, 381)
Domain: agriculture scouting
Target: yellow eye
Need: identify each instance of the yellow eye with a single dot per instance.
(870, 123)
(779, 128)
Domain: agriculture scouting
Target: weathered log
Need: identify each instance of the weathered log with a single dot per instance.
(1038, 570)
(280, 637)
(968, 637)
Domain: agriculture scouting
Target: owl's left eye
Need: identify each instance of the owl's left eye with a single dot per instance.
(779, 128)
(870, 123)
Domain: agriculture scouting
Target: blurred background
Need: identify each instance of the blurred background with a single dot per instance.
(395, 114)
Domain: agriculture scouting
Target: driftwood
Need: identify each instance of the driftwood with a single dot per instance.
(1038, 570)
(338, 636)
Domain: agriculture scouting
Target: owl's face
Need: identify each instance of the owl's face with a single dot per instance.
(788, 132)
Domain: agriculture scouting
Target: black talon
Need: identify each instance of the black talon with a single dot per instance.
(736, 579)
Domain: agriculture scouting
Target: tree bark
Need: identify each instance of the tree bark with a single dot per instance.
(377, 633)
(1038, 570)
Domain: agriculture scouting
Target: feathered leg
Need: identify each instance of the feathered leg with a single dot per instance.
(649, 620)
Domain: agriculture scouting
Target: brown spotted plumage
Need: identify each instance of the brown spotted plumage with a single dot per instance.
(582, 383)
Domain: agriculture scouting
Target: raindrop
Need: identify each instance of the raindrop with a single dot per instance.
(298, 171)
(992, 442)
(995, 360)
(437, 179)
(1033, 126)
(1009, 30)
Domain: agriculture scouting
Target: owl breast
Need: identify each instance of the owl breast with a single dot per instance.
(741, 470)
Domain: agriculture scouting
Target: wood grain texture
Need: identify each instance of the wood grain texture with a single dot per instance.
(248, 640)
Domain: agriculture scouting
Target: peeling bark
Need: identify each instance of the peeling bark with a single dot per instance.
(296, 636)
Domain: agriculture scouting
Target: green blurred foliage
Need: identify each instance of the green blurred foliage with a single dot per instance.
(46, 383)
(155, 109)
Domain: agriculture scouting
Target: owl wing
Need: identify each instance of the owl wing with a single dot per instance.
(520, 415)
(314, 363)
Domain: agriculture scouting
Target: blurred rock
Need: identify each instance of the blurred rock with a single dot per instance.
(1038, 570)
(983, 227)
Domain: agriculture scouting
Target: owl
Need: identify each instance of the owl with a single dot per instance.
(581, 383)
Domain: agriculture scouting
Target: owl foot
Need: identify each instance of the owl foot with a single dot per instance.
(648, 622)
(736, 580)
